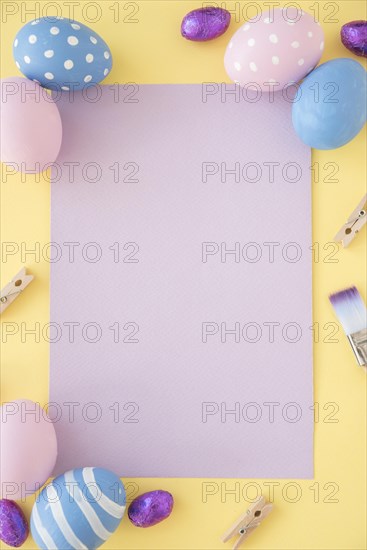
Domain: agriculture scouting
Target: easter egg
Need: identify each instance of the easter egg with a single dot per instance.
(13, 524)
(150, 508)
(61, 53)
(205, 24)
(330, 107)
(274, 50)
(79, 509)
(28, 448)
(31, 130)
(354, 37)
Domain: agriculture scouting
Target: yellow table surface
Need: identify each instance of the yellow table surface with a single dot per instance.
(328, 512)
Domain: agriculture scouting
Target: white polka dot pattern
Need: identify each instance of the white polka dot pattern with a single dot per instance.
(279, 49)
(72, 40)
(59, 52)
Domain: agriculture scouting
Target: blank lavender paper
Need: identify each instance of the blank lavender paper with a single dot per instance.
(181, 292)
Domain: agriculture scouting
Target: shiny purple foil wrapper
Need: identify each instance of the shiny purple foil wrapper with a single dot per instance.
(354, 37)
(13, 525)
(205, 24)
(150, 508)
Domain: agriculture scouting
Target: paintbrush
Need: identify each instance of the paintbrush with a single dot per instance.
(352, 314)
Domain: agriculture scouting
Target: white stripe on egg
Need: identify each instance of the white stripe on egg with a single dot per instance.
(41, 531)
(86, 508)
(108, 505)
(61, 521)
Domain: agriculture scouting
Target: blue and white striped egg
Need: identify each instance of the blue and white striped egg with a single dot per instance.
(78, 510)
(61, 53)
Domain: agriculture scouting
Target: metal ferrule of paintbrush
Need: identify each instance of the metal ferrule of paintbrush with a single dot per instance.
(358, 341)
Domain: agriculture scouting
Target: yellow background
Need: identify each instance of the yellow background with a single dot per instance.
(151, 50)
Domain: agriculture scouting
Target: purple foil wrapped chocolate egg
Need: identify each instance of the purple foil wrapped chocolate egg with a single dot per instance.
(13, 524)
(150, 508)
(205, 24)
(354, 37)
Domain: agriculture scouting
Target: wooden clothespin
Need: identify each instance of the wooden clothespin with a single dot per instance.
(355, 222)
(12, 290)
(248, 521)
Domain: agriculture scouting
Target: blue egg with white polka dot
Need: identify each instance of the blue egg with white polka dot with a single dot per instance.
(78, 510)
(60, 53)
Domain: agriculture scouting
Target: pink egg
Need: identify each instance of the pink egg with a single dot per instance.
(28, 448)
(274, 50)
(31, 130)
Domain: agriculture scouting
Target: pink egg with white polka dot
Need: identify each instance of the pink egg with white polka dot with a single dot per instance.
(275, 49)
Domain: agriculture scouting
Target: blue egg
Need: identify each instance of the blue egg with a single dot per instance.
(330, 107)
(61, 54)
(78, 510)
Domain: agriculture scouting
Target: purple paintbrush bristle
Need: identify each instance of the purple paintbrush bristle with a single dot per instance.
(350, 309)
